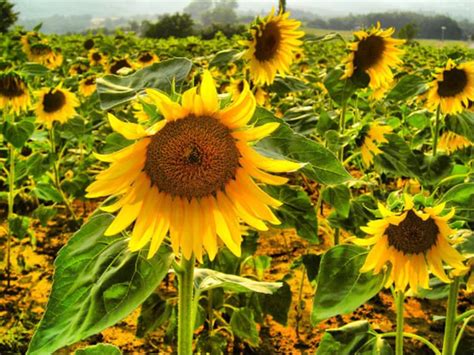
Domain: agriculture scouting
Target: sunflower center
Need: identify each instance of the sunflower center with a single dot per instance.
(40, 49)
(369, 52)
(53, 101)
(454, 82)
(268, 42)
(89, 43)
(11, 86)
(119, 64)
(413, 235)
(192, 157)
(96, 56)
(90, 81)
(146, 57)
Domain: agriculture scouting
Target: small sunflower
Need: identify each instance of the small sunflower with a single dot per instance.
(450, 142)
(78, 69)
(452, 88)
(374, 53)
(261, 96)
(116, 66)
(55, 105)
(147, 58)
(414, 242)
(370, 136)
(87, 86)
(96, 58)
(271, 50)
(44, 54)
(14, 94)
(88, 44)
(191, 174)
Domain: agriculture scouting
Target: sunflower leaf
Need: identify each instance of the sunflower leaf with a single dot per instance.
(99, 349)
(97, 282)
(408, 86)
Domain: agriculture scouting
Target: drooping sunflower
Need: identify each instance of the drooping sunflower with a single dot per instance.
(191, 174)
(88, 44)
(55, 104)
(452, 88)
(147, 58)
(374, 53)
(275, 39)
(96, 58)
(370, 136)
(119, 64)
(450, 142)
(87, 86)
(415, 242)
(14, 94)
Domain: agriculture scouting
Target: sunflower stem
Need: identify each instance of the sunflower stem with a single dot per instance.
(451, 310)
(399, 299)
(185, 307)
(461, 332)
(11, 201)
(436, 132)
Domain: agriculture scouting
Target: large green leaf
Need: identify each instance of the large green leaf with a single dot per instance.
(18, 133)
(223, 58)
(462, 198)
(296, 212)
(207, 279)
(462, 123)
(341, 287)
(339, 197)
(278, 304)
(97, 282)
(397, 157)
(287, 85)
(408, 86)
(114, 90)
(339, 89)
(244, 326)
(322, 166)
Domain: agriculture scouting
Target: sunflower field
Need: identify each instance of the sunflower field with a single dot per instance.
(275, 192)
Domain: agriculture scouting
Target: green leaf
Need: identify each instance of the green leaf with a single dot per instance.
(323, 166)
(339, 89)
(379, 346)
(47, 192)
(155, 312)
(418, 119)
(243, 325)
(287, 85)
(338, 197)
(18, 133)
(397, 157)
(97, 282)
(114, 142)
(44, 214)
(408, 86)
(34, 69)
(18, 225)
(99, 349)
(341, 287)
(224, 57)
(114, 90)
(434, 169)
(462, 198)
(207, 279)
(345, 340)
(296, 212)
(462, 123)
(278, 304)
(311, 263)
(438, 290)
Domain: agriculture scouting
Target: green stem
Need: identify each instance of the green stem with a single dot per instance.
(451, 310)
(461, 332)
(466, 314)
(299, 310)
(416, 337)
(436, 132)
(399, 298)
(185, 307)
(11, 201)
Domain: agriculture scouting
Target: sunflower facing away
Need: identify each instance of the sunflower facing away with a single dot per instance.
(414, 242)
(369, 138)
(273, 46)
(374, 53)
(117, 66)
(452, 88)
(450, 142)
(191, 174)
(55, 105)
(87, 86)
(14, 95)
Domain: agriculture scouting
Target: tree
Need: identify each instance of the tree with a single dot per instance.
(7, 16)
(177, 25)
(196, 8)
(408, 32)
(223, 13)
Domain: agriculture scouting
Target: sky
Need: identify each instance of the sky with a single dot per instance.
(30, 9)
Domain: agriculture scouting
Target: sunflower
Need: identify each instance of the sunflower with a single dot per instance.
(118, 65)
(147, 58)
(415, 242)
(450, 142)
(374, 53)
(78, 69)
(271, 50)
(88, 44)
(55, 105)
(96, 58)
(236, 87)
(191, 174)
(370, 136)
(452, 88)
(87, 86)
(44, 54)
(28, 39)
(14, 95)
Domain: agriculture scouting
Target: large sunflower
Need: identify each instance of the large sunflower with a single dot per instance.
(55, 105)
(14, 95)
(374, 53)
(452, 88)
(273, 46)
(191, 174)
(414, 242)
(370, 136)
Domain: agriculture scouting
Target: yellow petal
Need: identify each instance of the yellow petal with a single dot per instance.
(256, 133)
(126, 216)
(169, 109)
(127, 129)
(208, 93)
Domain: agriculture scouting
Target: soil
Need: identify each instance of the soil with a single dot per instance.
(23, 303)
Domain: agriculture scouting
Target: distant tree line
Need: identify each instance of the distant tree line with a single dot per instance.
(426, 26)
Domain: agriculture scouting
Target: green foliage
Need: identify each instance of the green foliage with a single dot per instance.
(408, 32)
(176, 25)
(7, 16)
